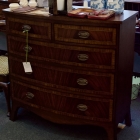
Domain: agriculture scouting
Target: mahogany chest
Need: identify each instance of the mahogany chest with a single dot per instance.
(82, 69)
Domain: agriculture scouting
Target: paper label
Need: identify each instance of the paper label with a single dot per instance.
(27, 67)
(110, 0)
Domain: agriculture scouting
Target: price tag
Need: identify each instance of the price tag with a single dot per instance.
(110, 0)
(27, 67)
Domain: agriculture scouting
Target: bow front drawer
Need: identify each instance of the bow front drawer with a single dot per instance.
(62, 103)
(83, 82)
(85, 35)
(82, 57)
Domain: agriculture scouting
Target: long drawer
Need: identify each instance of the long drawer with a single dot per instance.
(39, 30)
(61, 54)
(70, 79)
(61, 103)
(85, 34)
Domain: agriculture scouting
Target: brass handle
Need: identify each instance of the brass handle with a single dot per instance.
(82, 107)
(28, 49)
(83, 34)
(82, 81)
(26, 27)
(30, 95)
(82, 57)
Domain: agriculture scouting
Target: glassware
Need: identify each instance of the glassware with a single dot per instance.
(42, 3)
(60, 5)
(85, 4)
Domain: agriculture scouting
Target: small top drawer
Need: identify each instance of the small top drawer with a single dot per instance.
(39, 30)
(85, 35)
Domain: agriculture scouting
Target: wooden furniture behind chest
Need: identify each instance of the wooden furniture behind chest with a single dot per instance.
(78, 2)
(132, 5)
(4, 4)
(82, 69)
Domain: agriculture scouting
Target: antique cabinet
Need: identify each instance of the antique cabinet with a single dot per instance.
(78, 2)
(4, 4)
(82, 69)
(132, 5)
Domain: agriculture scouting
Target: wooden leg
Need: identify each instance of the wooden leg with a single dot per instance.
(128, 120)
(111, 131)
(6, 90)
(14, 110)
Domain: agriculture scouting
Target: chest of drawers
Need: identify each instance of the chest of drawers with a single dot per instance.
(82, 69)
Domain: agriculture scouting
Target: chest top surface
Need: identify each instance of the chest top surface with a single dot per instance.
(117, 19)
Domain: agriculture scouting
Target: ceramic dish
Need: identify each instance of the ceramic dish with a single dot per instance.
(14, 6)
(80, 12)
(91, 13)
(24, 9)
(97, 4)
(106, 14)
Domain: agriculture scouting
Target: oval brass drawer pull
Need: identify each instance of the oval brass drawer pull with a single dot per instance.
(30, 95)
(83, 34)
(82, 57)
(82, 81)
(29, 48)
(26, 27)
(82, 107)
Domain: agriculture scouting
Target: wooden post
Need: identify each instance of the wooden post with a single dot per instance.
(55, 7)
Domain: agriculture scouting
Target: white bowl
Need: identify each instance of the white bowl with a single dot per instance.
(32, 4)
(14, 6)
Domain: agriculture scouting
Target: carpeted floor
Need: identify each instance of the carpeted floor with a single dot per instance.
(29, 126)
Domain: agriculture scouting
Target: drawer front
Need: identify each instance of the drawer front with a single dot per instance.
(85, 35)
(61, 103)
(39, 30)
(69, 55)
(92, 83)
